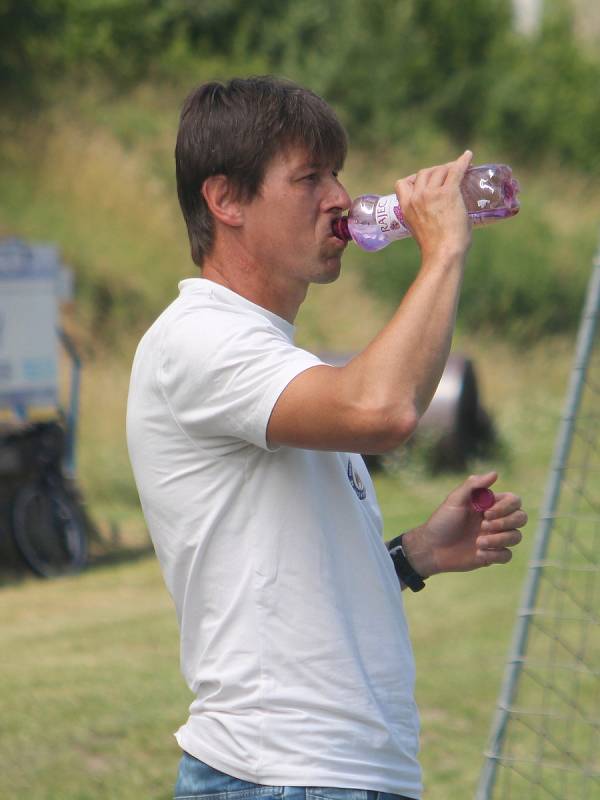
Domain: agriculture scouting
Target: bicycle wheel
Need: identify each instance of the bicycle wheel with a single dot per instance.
(48, 530)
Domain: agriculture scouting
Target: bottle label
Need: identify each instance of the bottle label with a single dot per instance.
(389, 218)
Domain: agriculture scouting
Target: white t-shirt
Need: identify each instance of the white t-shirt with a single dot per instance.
(293, 635)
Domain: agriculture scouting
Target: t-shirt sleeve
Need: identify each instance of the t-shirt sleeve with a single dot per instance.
(224, 379)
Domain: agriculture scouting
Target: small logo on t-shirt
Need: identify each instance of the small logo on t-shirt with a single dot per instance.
(356, 482)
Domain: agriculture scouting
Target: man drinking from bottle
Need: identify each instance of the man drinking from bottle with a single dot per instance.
(245, 450)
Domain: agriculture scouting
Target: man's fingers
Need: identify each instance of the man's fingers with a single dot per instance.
(431, 177)
(458, 168)
(506, 503)
(489, 557)
(404, 189)
(516, 519)
(435, 176)
(438, 176)
(499, 541)
(462, 494)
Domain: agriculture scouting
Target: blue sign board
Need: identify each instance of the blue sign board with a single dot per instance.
(29, 280)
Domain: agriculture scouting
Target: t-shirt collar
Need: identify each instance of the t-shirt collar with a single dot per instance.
(208, 287)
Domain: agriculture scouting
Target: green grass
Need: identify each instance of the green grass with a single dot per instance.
(90, 686)
(91, 690)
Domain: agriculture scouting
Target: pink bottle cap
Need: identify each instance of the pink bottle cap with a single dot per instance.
(482, 499)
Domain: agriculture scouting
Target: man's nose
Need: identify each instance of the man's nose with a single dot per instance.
(338, 198)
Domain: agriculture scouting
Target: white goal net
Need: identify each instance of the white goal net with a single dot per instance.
(545, 736)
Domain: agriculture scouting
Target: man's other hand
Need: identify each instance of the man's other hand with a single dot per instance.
(456, 538)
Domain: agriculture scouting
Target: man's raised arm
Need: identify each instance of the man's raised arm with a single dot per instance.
(374, 403)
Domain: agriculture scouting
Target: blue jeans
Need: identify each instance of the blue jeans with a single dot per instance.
(197, 780)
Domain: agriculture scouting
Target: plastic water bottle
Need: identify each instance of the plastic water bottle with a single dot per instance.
(489, 191)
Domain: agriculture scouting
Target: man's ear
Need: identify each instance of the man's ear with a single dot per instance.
(222, 200)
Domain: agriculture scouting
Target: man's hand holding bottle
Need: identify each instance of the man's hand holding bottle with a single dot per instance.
(434, 210)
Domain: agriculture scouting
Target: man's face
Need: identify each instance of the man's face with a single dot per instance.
(287, 226)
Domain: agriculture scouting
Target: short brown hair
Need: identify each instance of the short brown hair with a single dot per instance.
(235, 129)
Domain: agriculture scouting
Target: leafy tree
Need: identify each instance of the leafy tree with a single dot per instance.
(463, 41)
(29, 30)
(545, 98)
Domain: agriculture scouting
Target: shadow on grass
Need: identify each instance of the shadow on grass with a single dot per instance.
(14, 571)
(122, 555)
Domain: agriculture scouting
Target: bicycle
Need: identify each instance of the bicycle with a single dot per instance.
(47, 523)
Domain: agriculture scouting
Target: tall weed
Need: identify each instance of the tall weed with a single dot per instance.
(116, 224)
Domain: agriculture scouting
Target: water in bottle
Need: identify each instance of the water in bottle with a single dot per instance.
(489, 191)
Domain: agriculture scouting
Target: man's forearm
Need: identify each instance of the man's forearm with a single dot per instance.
(402, 366)
(374, 403)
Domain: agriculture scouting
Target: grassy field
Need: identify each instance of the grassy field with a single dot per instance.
(89, 679)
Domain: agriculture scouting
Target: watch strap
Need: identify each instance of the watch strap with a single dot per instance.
(403, 568)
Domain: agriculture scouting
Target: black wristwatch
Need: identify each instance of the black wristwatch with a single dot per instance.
(404, 571)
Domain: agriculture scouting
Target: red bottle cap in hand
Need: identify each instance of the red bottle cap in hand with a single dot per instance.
(482, 499)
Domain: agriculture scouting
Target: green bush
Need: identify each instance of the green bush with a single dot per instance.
(544, 99)
(525, 278)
